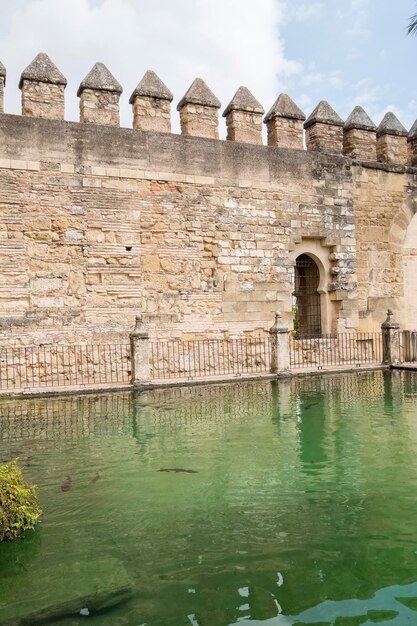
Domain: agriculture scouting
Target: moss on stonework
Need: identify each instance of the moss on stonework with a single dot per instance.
(19, 504)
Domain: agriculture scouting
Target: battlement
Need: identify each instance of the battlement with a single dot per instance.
(43, 86)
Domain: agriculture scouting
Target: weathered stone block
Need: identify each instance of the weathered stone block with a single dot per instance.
(324, 130)
(391, 144)
(392, 149)
(199, 121)
(198, 110)
(284, 123)
(359, 136)
(98, 107)
(43, 100)
(43, 86)
(286, 133)
(360, 144)
(99, 95)
(152, 114)
(244, 127)
(151, 103)
(244, 118)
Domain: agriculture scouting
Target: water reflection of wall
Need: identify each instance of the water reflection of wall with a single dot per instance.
(69, 417)
(99, 414)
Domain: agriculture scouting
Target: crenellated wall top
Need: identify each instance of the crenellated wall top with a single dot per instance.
(323, 130)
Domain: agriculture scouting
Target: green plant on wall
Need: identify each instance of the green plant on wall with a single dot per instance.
(295, 320)
(19, 504)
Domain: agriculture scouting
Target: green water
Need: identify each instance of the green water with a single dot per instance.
(302, 508)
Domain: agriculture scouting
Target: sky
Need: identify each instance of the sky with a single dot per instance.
(347, 52)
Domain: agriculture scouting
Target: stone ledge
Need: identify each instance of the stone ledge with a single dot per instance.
(31, 140)
(386, 167)
(133, 174)
(34, 139)
(11, 164)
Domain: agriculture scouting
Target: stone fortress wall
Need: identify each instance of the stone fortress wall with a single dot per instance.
(99, 223)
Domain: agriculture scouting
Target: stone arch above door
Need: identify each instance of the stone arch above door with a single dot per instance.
(320, 254)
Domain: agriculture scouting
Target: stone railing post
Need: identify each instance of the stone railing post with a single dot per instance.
(139, 344)
(280, 346)
(390, 340)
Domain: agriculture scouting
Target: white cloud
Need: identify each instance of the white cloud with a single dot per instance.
(225, 42)
(313, 78)
(336, 80)
(369, 95)
(304, 11)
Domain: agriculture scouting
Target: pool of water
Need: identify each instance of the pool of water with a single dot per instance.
(301, 506)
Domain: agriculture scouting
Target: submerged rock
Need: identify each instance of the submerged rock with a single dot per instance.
(178, 470)
(67, 484)
(71, 587)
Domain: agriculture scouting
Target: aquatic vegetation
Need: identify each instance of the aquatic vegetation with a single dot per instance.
(19, 504)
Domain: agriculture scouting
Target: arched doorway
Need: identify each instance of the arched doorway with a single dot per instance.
(306, 298)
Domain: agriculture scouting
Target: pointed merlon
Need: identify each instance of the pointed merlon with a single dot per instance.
(199, 93)
(413, 132)
(284, 107)
(151, 86)
(359, 120)
(100, 79)
(3, 73)
(324, 114)
(42, 70)
(243, 100)
(391, 125)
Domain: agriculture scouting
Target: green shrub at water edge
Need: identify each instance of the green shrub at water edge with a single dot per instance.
(19, 504)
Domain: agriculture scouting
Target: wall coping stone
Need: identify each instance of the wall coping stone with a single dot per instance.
(42, 70)
(324, 114)
(391, 125)
(199, 93)
(244, 100)
(100, 78)
(284, 107)
(385, 167)
(151, 86)
(359, 120)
